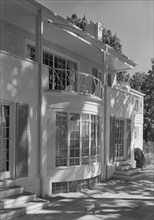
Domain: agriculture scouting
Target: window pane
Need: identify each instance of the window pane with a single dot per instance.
(119, 138)
(93, 134)
(61, 138)
(74, 121)
(4, 137)
(85, 138)
(30, 52)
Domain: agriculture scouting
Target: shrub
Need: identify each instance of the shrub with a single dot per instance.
(139, 157)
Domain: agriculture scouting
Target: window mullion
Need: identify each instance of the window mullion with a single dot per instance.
(89, 139)
(68, 138)
(65, 74)
(96, 135)
(80, 140)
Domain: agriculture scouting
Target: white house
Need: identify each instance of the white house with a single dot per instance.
(64, 123)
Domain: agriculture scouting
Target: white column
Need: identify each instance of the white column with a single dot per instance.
(104, 154)
(42, 149)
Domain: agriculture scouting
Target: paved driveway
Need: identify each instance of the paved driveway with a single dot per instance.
(112, 199)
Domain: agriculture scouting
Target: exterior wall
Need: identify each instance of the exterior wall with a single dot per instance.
(14, 39)
(138, 134)
(57, 101)
(18, 83)
(120, 105)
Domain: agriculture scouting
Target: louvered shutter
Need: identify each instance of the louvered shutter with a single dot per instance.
(21, 140)
(112, 139)
(128, 138)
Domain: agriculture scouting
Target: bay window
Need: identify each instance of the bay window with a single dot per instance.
(77, 139)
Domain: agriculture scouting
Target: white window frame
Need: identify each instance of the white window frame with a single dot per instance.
(68, 138)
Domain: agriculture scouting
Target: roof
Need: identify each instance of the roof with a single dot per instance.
(116, 61)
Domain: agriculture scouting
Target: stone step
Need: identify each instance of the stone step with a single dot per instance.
(124, 167)
(123, 163)
(127, 172)
(6, 183)
(14, 201)
(6, 214)
(129, 177)
(10, 191)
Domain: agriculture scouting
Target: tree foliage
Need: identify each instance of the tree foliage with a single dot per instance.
(79, 22)
(145, 84)
(111, 40)
(107, 36)
(122, 76)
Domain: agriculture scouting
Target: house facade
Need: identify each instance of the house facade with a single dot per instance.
(65, 123)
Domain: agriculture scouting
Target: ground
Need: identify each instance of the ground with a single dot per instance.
(113, 199)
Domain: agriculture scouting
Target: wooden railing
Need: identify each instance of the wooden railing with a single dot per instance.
(74, 81)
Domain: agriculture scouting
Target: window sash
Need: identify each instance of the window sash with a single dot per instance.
(119, 138)
(80, 143)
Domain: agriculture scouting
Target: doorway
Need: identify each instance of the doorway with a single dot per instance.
(5, 141)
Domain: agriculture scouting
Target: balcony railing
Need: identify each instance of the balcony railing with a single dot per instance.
(75, 82)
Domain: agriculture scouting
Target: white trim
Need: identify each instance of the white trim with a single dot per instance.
(10, 173)
(80, 141)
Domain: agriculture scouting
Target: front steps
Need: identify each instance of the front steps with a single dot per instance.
(125, 170)
(14, 201)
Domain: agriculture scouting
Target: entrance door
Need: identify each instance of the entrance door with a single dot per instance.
(119, 140)
(4, 141)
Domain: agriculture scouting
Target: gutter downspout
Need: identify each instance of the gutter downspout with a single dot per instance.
(39, 59)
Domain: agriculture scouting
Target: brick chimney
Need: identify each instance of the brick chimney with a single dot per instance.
(95, 29)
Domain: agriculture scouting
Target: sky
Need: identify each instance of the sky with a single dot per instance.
(132, 20)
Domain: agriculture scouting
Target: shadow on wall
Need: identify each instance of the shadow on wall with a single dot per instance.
(19, 85)
(120, 104)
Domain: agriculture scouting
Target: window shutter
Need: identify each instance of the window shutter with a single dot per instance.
(21, 140)
(109, 80)
(128, 138)
(112, 139)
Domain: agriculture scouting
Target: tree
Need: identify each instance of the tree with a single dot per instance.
(122, 76)
(79, 22)
(107, 36)
(145, 83)
(111, 40)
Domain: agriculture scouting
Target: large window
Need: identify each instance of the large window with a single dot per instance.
(4, 137)
(62, 71)
(119, 138)
(61, 138)
(74, 123)
(77, 139)
(85, 138)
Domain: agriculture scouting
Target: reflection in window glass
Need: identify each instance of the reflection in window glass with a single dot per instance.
(4, 137)
(61, 139)
(119, 138)
(77, 139)
(85, 138)
(74, 139)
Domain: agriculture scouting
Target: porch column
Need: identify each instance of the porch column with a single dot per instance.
(42, 154)
(104, 113)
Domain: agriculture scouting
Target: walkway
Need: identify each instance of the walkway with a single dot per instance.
(112, 199)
